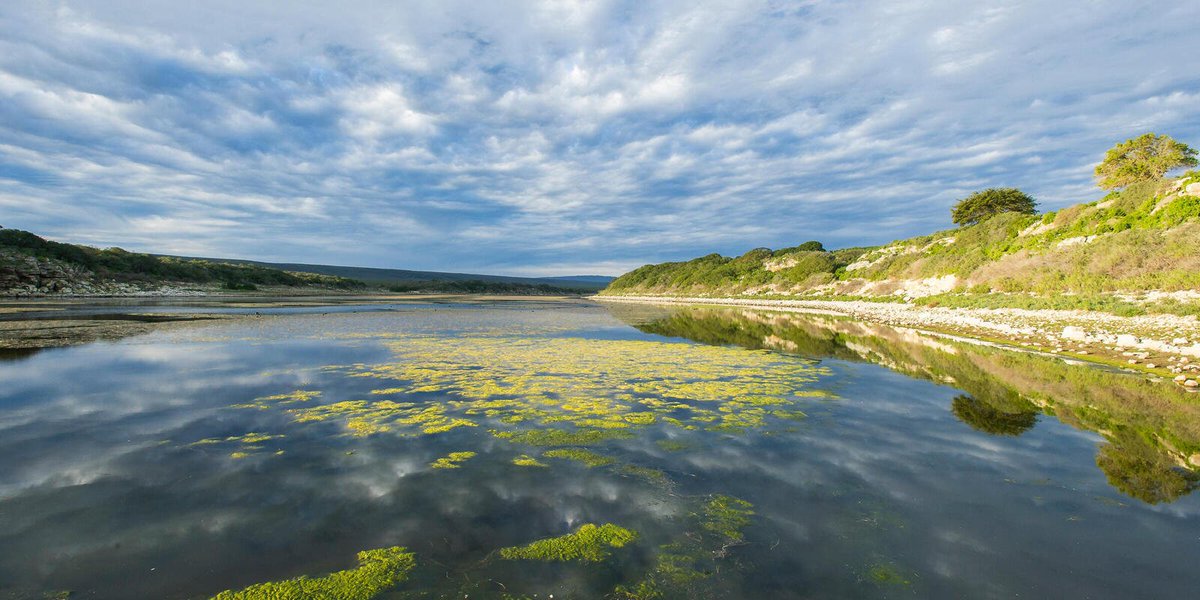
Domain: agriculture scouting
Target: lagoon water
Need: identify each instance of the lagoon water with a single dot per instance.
(748, 454)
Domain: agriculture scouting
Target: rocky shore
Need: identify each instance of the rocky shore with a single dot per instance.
(1166, 346)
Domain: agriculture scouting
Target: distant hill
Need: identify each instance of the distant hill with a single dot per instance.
(1142, 240)
(32, 265)
(402, 277)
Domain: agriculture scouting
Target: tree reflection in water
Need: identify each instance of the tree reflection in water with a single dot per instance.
(1152, 429)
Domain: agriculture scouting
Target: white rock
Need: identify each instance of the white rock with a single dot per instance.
(1191, 383)
(1193, 189)
(1130, 340)
(1074, 333)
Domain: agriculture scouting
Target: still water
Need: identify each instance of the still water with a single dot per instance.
(523, 450)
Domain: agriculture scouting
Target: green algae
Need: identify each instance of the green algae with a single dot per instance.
(886, 574)
(589, 543)
(525, 460)
(726, 516)
(684, 568)
(559, 437)
(248, 443)
(587, 457)
(649, 474)
(378, 571)
(452, 460)
(673, 445)
(603, 388)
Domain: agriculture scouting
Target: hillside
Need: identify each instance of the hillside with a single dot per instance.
(1141, 243)
(408, 278)
(34, 266)
(31, 265)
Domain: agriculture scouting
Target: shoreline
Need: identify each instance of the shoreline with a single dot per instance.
(1162, 346)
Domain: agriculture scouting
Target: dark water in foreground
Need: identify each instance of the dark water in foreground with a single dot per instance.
(746, 454)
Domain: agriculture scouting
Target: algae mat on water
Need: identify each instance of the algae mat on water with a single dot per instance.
(589, 543)
(528, 391)
(378, 571)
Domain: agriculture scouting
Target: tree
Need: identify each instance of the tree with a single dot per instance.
(989, 202)
(1143, 158)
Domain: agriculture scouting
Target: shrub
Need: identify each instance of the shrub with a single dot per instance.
(990, 202)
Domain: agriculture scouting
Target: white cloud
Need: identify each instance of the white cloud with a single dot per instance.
(546, 135)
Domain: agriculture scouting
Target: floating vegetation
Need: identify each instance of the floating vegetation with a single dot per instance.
(727, 516)
(249, 438)
(589, 543)
(294, 397)
(378, 571)
(452, 460)
(249, 443)
(559, 437)
(525, 460)
(562, 391)
(587, 457)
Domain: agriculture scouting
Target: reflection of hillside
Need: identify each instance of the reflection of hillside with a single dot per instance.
(1152, 430)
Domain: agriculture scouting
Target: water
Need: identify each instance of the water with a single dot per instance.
(747, 455)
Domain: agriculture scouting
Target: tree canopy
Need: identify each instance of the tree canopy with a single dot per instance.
(989, 202)
(1143, 158)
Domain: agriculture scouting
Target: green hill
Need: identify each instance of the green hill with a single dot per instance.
(404, 278)
(1141, 242)
(32, 265)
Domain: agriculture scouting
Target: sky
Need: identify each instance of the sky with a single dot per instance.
(557, 137)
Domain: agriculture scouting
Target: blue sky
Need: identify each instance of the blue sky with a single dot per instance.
(539, 138)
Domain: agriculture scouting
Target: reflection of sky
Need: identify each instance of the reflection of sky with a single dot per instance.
(91, 498)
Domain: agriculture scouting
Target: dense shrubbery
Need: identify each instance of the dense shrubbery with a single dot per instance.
(807, 264)
(120, 265)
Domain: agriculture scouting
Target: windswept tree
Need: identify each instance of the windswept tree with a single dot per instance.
(1143, 158)
(992, 201)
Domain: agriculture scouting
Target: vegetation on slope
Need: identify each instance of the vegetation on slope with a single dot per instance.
(1142, 238)
(119, 265)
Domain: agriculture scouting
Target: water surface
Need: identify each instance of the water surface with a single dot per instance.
(746, 453)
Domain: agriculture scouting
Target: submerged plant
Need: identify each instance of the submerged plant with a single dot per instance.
(378, 571)
(727, 516)
(683, 568)
(589, 543)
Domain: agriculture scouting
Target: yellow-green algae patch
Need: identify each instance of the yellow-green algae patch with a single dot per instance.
(561, 391)
(452, 460)
(378, 571)
(525, 460)
(292, 397)
(587, 457)
(589, 543)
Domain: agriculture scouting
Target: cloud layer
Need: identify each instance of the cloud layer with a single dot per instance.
(562, 137)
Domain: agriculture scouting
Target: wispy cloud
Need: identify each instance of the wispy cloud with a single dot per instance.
(561, 137)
